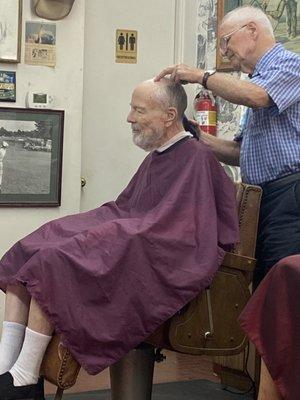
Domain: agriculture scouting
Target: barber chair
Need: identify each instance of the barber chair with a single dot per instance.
(206, 326)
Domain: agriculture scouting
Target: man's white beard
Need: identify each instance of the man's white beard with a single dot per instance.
(148, 142)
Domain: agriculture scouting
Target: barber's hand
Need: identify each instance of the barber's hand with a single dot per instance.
(182, 73)
(204, 136)
(196, 126)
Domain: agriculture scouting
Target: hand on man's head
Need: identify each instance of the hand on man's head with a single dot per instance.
(181, 73)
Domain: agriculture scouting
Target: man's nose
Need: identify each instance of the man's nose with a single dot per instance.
(130, 118)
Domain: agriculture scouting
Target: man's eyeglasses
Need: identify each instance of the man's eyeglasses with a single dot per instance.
(225, 39)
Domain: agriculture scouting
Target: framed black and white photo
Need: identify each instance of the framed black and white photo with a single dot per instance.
(31, 148)
(10, 30)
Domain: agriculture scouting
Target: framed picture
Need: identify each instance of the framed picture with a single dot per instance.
(10, 30)
(40, 43)
(7, 86)
(284, 16)
(224, 6)
(31, 148)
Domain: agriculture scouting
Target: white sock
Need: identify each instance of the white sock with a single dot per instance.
(11, 344)
(26, 370)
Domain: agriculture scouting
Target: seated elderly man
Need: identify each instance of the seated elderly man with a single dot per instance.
(106, 279)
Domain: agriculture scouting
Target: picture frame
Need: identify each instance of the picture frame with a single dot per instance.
(283, 15)
(31, 151)
(10, 30)
(223, 7)
(7, 86)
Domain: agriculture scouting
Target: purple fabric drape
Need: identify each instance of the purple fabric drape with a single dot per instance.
(108, 278)
(271, 319)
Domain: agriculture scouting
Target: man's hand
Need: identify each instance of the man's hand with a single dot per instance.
(182, 73)
(196, 125)
(205, 137)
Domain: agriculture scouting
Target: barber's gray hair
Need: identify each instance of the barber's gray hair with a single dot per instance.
(172, 94)
(246, 13)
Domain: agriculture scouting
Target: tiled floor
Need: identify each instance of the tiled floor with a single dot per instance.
(176, 367)
(183, 390)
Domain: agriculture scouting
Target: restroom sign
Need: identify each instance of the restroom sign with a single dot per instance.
(126, 46)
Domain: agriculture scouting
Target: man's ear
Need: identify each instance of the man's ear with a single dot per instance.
(171, 116)
(252, 27)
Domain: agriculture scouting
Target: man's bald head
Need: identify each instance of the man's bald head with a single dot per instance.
(167, 93)
(172, 94)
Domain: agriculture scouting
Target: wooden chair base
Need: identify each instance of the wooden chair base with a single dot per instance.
(131, 378)
(59, 394)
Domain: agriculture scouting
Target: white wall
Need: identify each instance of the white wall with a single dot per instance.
(109, 158)
(66, 83)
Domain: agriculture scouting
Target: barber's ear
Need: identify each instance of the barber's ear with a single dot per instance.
(252, 27)
(171, 116)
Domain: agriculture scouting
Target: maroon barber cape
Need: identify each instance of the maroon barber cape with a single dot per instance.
(108, 278)
(271, 319)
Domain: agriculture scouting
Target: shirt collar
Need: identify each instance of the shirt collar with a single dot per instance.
(174, 139)
(267, 59)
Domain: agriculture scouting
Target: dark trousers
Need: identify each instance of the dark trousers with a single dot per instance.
(279, 224)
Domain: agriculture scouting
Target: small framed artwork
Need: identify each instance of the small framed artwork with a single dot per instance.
(40, 43)
(31, 149)
(7, 86)
(10, 30)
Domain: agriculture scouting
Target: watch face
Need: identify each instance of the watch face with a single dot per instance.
(211, 71)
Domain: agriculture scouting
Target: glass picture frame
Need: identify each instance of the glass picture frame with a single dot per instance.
(7, 86)
(31, 151)
(10, 30)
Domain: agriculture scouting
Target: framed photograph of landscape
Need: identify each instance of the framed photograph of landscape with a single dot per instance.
(31, 149)
(284, 16)
(10, 30)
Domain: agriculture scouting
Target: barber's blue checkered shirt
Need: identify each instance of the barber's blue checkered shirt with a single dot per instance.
(270, 147)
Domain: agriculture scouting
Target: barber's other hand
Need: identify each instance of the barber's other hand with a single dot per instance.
(196, 126)
(181, 73)
(204, 136)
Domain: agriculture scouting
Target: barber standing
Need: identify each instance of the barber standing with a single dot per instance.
(268, 148)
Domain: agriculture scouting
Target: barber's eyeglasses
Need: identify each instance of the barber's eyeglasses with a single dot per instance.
(225, 39)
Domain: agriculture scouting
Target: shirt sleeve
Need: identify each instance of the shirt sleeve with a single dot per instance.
(281, 81)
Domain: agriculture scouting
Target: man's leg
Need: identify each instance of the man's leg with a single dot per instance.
(37, 337)
(22, 380)
(15, 320)
(267, 388)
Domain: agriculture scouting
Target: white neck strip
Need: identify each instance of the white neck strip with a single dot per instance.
(174, 139)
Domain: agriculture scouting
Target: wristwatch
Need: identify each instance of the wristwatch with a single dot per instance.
(206, 75)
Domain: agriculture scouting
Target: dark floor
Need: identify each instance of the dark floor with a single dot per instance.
(187, 390)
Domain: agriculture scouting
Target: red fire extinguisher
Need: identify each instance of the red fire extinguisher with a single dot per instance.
(206, 112)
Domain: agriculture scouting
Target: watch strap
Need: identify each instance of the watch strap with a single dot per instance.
(206, 75)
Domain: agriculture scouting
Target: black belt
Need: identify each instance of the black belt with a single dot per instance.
(279, 183)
